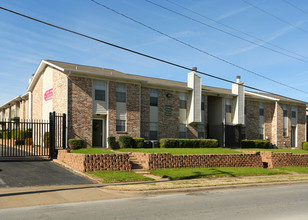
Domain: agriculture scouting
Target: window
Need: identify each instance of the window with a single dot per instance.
(293, 112)
(261, 109)
(201, 131)
(202, 102)
(153, 131)
(153, 97)
(243, 132)
(228, 105)
(99, 95)
(261, 133)
(121, 92)
(183, 101)
(120, 126)
(285, 121)
(182, 131)
(99, 90)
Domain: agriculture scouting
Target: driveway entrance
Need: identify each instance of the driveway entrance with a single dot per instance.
(36, 173)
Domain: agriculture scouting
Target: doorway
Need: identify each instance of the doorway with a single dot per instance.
(98, 133)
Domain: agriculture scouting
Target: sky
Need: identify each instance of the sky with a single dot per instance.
(281, 26)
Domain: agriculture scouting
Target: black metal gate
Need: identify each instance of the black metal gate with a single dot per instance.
(32, 138)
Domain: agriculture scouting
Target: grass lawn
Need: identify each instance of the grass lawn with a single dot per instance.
(93, 151)
(109, 176)
(294, 151)
(190, 173)
(301, 170)
(177, 151)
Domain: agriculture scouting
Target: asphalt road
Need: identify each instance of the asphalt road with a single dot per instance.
(274, 202)
(36, 173)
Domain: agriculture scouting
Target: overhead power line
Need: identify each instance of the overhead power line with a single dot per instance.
(226, 32)
(235, 29)
(136, 52)
(276, 17)
(196, 48)
(294, 6)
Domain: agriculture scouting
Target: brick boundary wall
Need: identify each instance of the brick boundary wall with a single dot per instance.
(167, 160)
(93, 162)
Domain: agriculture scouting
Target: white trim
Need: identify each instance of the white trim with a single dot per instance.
(262, 96)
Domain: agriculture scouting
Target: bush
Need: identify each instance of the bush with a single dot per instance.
(188, 143)
(125, 142)
(75, 144)
(46, 139)
(305, 145)
(113, 143)
(138, 142)
(256, 144)
(16, 134)
(29, 141)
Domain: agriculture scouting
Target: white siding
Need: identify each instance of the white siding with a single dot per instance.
(99, 107)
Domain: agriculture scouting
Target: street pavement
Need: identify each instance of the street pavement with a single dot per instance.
(270, 202)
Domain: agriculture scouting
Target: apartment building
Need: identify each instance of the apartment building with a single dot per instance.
(103, 102)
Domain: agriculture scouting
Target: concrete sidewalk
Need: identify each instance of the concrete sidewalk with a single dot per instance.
(47, 195)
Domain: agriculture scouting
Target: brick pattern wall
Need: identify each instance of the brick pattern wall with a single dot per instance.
(269, 110)
(132, 110)
(37, 99)
(80, 109)
(301, 125)
(84, 162)
(145, 112)
(59, 92)
(289, 159)
(168, 126)
(166, 160)
(252, 119)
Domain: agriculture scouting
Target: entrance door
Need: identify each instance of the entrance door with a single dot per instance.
(293, 132)
(97, 133)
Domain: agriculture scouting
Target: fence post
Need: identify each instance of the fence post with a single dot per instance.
(52, 134)
(64, 145)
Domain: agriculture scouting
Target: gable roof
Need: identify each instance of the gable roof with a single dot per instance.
(113, 74)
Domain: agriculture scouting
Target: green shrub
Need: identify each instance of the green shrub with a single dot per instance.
(138, 142)
(7, 135)
(125, 142)
(305, 145)
(256, 144)
(46, 139)
(113, 143)
(16, 134)
(75, 144)
(188, 143)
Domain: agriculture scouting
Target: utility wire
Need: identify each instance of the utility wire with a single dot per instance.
(226, 32)
(274, 16)
(235, 29)
(136, 52)
(196, 48)
(294, 6)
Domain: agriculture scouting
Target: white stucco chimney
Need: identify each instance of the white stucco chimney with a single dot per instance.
(194, 107)
(239, 107)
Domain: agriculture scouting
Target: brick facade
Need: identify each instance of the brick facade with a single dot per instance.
(80, 109)
(59, 92)
(37, 99)
(145, 113)
(269, 122)
(252, 119)
(168, 126)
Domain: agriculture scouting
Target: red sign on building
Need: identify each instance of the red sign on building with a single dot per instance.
(48, 95)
